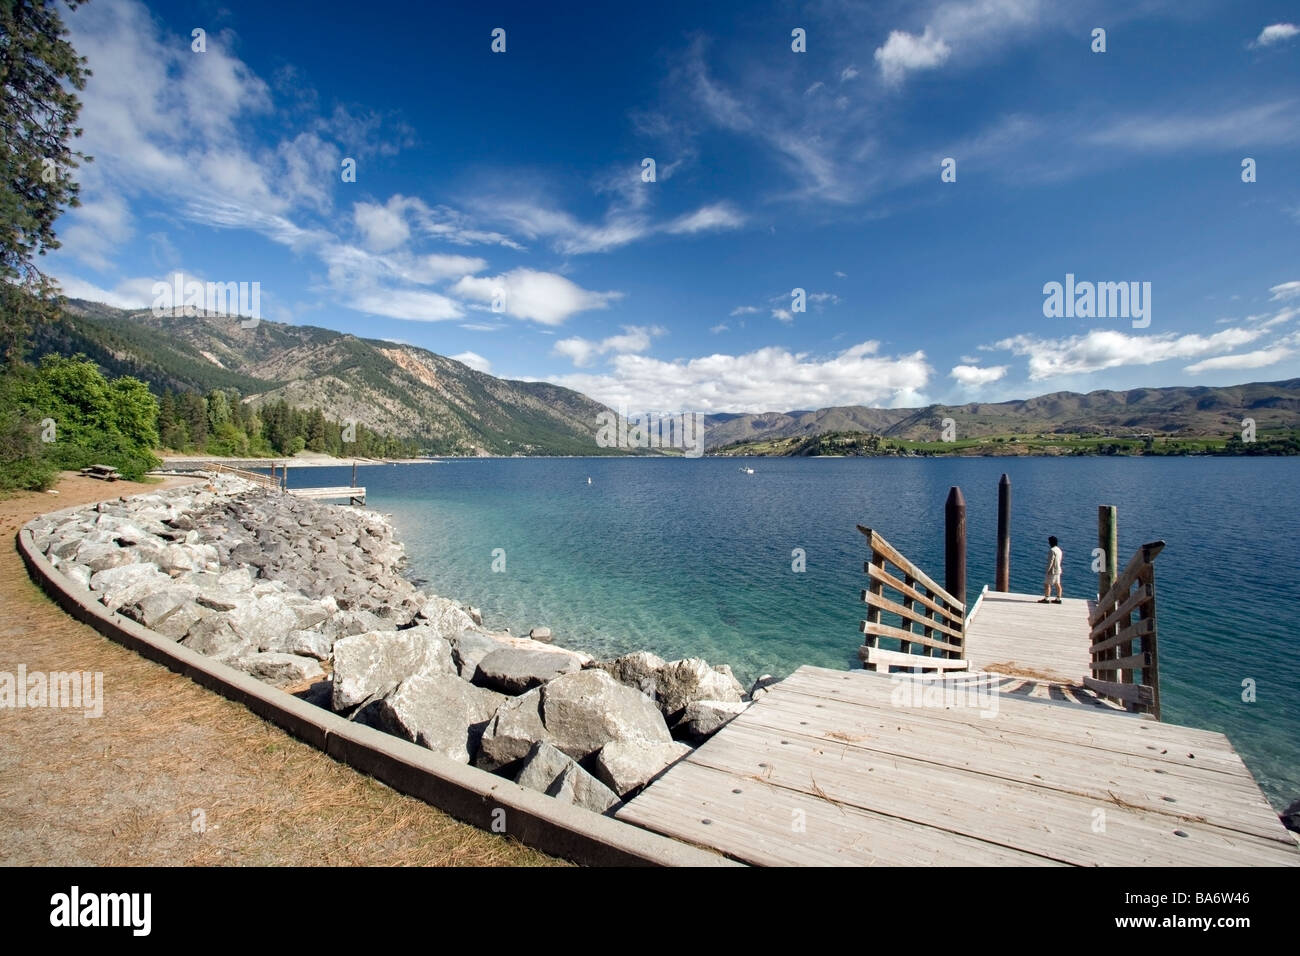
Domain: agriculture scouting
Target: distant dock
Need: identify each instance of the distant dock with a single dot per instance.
(354, 494)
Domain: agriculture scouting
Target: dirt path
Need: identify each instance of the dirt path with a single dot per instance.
(172, 774)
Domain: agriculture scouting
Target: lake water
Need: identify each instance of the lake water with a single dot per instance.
(693, 558)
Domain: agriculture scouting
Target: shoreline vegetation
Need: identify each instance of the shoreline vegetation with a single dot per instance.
(869, 445)
(313, 598)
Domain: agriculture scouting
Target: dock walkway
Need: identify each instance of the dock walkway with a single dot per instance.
(1013, 634)
(844, 768)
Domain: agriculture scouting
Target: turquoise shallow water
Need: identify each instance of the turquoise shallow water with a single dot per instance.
(693, 558)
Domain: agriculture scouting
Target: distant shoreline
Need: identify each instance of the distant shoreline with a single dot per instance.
(193, 462)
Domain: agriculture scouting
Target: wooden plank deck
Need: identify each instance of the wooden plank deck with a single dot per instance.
(831, 767)
(1014, 634)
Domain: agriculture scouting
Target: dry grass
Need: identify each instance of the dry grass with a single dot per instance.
(124, 789)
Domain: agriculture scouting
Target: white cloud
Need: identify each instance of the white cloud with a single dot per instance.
(544, 297)
(972, 375)
(1276, 33)
(745, 310)
(705, 219)
(97, 229)
(474, 361)
(413, 304)
(720, 327)
(1102, 349)
(848, 73)
(1263, 123)
(765, 380)
(783, 315)
(183, 130)
(624, 223)
(906, 51)
(1256, 359)
(583, 351)
(127, 294)
(840, 275)
(382, 227)
(1287, 290)
(1282, 349)
(436, 266)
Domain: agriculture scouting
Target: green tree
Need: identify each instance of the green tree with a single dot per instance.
(39, 74)
(94, 421)
(24, 459)
(194, 413)
(316, 430)
(218, 409)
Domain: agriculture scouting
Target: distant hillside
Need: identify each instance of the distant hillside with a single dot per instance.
(450, 408)
(395, 389)
(1183, 411)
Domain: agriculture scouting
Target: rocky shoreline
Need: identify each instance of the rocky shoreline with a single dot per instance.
(311, 597)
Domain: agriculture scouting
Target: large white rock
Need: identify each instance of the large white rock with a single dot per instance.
(684, 681)
(703, 718)
(263, 620)
(552, 772)
(470, 647)
(512, 732)
(127, 584)
(639, 669)
(513, 670)
(374, 663)
(625, 765)
(583, 712)
(282, 670)
(447, 618)
(574, 785)
(305, 643)
(438, 711)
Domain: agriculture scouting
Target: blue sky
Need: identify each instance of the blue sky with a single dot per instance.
(515, 179)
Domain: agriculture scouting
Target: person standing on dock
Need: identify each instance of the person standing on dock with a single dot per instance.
(1054, 561)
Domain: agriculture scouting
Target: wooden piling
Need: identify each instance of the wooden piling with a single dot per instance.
(1003, 580)
(1108, 542)
(954, 545)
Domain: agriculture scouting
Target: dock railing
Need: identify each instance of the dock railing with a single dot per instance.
(1117, 672)
(265, 481)
(919, 602)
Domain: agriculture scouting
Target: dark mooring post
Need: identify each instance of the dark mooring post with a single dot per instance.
(1003, 582)
(1108, 542)
(354, 474)
(954, 545)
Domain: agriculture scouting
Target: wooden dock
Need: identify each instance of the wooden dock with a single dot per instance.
(1015, 635)
(355, 496)
(848, 768)
(1000, 732)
